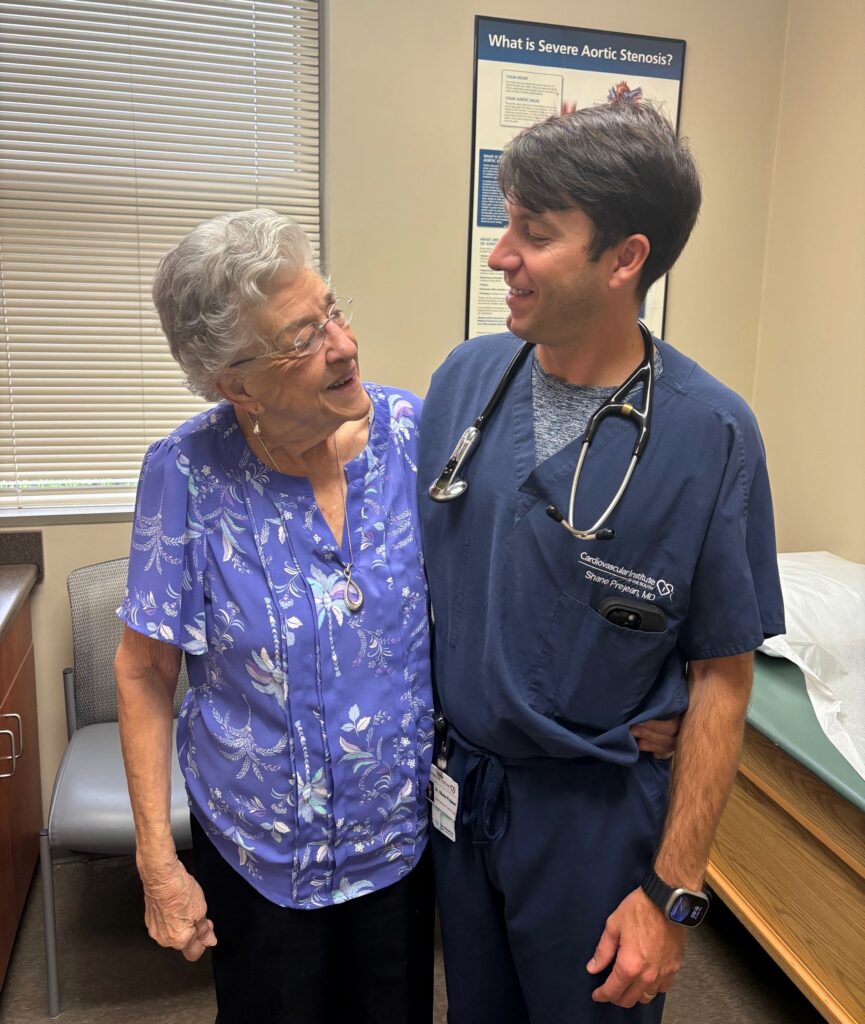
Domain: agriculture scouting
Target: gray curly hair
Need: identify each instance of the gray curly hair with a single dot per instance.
(208, 284)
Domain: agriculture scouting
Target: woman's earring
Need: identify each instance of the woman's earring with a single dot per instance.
(256, 426)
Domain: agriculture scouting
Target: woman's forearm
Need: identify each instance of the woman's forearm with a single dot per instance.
(146, 672)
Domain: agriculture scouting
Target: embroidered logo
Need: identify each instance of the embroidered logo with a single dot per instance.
(624, 580)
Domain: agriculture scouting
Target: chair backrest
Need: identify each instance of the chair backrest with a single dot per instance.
(95, 592)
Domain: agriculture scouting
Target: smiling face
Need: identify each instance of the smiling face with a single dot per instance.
(308, 396)
(554, 287)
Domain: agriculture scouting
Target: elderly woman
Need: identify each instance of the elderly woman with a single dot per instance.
(276, 544)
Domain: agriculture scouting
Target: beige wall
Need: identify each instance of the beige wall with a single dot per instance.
(399, 91)
(811, 355)
(398, 167)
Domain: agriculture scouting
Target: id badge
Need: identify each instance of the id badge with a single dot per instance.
(444, 795)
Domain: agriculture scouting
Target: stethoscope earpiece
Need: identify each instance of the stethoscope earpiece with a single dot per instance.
(605, 534)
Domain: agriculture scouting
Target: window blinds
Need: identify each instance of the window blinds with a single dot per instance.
(122, 126)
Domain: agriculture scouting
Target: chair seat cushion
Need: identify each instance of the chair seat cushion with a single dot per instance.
(90, 808)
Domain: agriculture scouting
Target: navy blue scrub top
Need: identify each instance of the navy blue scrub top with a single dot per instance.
(524, 664)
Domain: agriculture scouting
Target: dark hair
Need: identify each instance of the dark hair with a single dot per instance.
(622, 165)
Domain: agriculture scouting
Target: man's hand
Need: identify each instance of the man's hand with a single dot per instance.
(175, 911)
(647, 949)
(658, 737)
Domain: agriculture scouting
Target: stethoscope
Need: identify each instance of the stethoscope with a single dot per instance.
(450, 485)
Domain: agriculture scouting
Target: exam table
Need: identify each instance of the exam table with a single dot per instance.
(789, 855)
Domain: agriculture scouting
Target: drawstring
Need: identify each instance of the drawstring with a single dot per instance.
(485, 797)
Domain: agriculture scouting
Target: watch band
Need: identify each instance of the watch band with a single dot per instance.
(657, 889)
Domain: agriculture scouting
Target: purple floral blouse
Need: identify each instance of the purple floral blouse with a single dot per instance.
(306, 735)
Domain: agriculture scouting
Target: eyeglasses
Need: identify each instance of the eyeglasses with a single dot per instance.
(310, 338)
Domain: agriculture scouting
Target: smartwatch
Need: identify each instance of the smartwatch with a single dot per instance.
(681, 906)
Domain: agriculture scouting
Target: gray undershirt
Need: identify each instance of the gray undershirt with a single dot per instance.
(561, 410)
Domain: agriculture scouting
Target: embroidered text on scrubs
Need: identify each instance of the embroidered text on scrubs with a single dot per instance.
(630, 580)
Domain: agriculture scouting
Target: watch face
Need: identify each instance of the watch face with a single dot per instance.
(689, 910)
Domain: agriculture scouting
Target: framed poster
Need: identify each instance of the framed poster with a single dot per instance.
(525, 72)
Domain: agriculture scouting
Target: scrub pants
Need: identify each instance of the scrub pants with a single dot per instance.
(368, 961)
(550, 850)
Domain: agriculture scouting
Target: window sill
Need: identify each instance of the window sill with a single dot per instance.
(11, 518)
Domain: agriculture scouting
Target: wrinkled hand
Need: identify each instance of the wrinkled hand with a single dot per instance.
(646, 947)
(659, 736)
(175, 911)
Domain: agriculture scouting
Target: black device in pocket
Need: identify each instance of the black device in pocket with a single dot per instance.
(633, 614)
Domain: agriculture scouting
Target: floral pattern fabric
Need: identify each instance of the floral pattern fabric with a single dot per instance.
(306, 735)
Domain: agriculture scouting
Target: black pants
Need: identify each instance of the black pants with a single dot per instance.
(367, 961)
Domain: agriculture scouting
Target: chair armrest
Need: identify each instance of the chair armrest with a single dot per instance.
(69, 695)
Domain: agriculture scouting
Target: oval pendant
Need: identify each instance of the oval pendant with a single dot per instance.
(353, 595)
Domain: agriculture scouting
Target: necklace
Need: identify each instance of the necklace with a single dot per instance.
(353, 601)
(352, 594)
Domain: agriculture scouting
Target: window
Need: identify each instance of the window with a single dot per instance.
(125, 124)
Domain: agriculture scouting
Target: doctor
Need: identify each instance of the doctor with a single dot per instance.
(560, 848)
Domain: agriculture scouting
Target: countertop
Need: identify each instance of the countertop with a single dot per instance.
(16, 582)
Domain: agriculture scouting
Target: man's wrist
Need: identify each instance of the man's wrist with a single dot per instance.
(651, 903)
(677, 871)
(679, 904)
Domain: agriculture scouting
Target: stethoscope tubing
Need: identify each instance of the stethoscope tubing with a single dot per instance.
(645, 374)
(449, 485)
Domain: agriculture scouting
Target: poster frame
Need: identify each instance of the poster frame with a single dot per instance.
(472, 195)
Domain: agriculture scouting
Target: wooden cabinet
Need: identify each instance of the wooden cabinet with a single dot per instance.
(20, 788)
(789, 860)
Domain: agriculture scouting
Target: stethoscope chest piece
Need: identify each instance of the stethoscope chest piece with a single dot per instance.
(449, 485)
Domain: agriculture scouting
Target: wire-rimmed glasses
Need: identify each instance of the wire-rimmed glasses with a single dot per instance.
(309, 338)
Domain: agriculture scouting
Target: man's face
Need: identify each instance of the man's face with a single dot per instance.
(554, 288)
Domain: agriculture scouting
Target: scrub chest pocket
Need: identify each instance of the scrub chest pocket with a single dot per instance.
(590, 672)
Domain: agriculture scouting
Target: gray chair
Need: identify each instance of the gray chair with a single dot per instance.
(90, 810)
